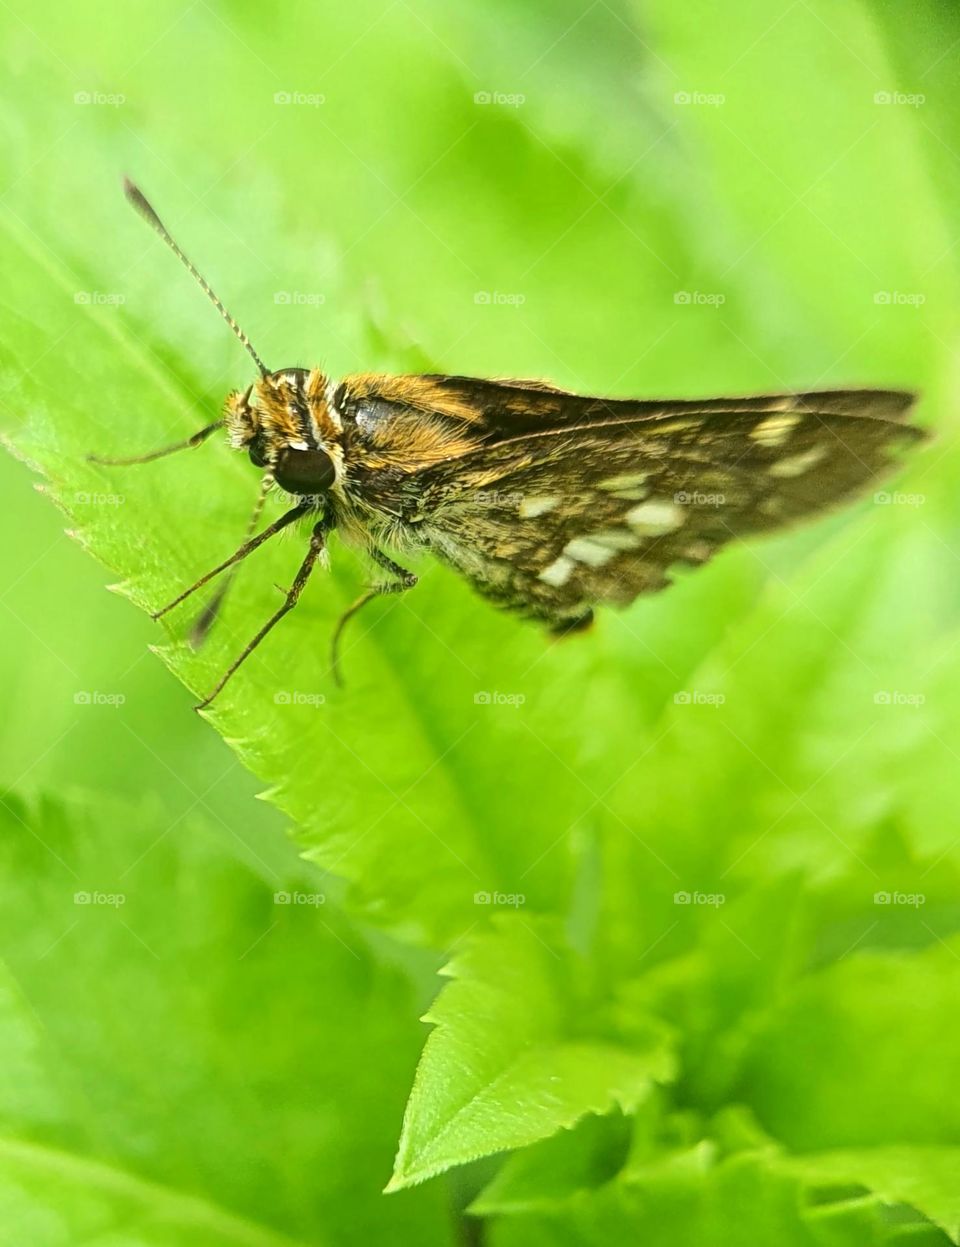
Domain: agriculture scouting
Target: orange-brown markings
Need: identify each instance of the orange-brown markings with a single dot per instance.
(278, 415)
(413, 440)
(423, 394)
(316, 395)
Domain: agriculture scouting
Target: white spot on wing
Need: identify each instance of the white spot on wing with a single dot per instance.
(586, 550)
(630, 486)
(558, 573)
(670, 425)
(626, 480)
(697, 551)
(530, 508)
(615, 539)
(775, 430)
(796, 465)
(656, 517)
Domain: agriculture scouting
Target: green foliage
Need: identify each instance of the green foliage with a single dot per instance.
(186, 1058)
(738, 1203)
(721, 1005)
(511, 1060)
(925, 1178)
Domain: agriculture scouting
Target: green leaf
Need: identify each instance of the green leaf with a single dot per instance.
(598, 1150)
(695, 1191)
(753, 954)
(512, 1059)
(581, 1158)
(861, 1053)
(927, 1178)
(185, 1058)
(685, 1198)
(52, 1199)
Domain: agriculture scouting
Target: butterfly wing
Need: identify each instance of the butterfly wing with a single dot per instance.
(550, 503)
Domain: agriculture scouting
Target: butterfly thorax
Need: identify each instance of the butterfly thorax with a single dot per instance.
(360, 445)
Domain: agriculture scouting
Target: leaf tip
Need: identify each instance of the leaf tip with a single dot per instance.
(397, 1183)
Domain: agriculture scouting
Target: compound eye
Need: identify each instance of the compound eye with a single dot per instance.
(256, 452)
(304, 471)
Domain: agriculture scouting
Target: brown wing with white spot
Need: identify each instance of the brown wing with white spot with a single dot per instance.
(553, 521)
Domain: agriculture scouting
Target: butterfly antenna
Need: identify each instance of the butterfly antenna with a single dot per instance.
(139, 200)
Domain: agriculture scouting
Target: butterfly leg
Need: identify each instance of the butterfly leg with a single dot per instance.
(405, 580)
(208, 616)
(288, 517)
(195, 440)
(317, 545)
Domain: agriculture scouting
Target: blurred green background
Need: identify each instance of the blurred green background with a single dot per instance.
(630, 199)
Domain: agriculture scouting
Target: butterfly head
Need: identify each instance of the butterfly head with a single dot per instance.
(287, 423)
